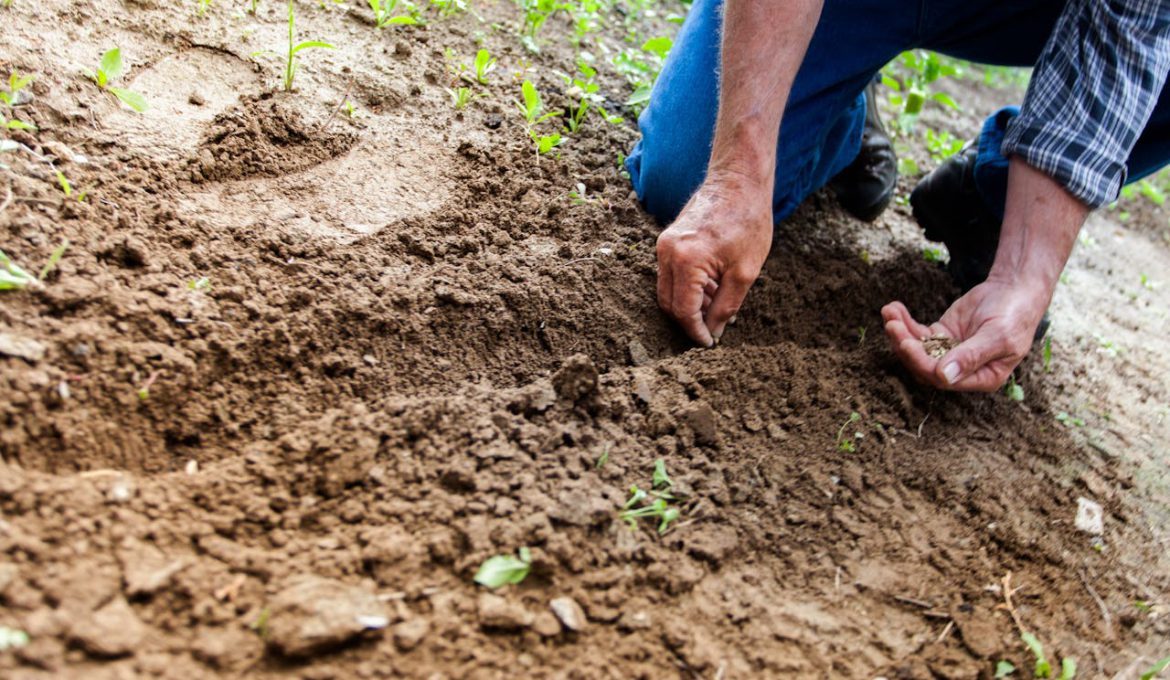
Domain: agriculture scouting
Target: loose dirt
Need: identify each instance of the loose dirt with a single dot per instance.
(937, 346)
(417, 351)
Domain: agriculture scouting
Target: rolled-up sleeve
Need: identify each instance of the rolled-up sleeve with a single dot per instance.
(1091, 94)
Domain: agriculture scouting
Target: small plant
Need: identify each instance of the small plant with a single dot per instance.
(484, 64)
(1013, 389)
(536, 13)
(1157, 668)
(260, 625)
(13, 277)
(504, 569)
(659, 508)
(201, 7)
(845, 443)
(384, 14)
(931, 254)
(110, 70)
(942, 145)
(602, 459)
(201, 283)
(16, 83)
(911, 82)
(1046, 355)
(1004, 669)
(449, 8)
(294, 48)
(54, 258)
(1068, 666)
(532, 109)
(1067, 420)
(460, 96)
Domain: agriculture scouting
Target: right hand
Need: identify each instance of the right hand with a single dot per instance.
(712, 254)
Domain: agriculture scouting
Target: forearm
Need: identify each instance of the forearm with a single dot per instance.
(1041, 221)
(764, 44)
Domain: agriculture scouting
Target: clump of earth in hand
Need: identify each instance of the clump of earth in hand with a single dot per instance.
(938, 345)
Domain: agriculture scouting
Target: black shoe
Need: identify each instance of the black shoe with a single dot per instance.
(866, 187)
(950, 210)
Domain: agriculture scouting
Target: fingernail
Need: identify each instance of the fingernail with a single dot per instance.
(731, 321)
(951, 372)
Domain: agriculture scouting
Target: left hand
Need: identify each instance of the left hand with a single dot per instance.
(993, 324)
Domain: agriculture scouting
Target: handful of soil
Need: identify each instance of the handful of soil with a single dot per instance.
(937, 346)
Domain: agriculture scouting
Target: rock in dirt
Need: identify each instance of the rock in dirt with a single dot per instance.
(576, 379)
(569, 613)
(497, 613)
(315, 614)
(701, 420)
(408, 634)
(1090, 517)
(147, 577)
(638, 354)
(24, 348)
(112, 631)
(546, 625)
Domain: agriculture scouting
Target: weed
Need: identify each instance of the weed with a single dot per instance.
(67, 187)
(1157, 668)
(1013, 390)
(1068, 665)
(846, 443)
(54, 258)
(602, 459)
(384, 14)
(294, 48)
(350, 109)
(16, 83)
(109, 70)
(503, 569)
(484, 64)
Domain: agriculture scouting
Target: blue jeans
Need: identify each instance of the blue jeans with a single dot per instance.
(825, 114)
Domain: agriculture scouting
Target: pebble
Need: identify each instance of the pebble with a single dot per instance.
(24, 348)
(314, 614)
(408, 634)
(497, 613)
(638, 354)
(569, 613)
(1090, 517)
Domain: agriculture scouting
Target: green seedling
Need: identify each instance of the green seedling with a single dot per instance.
(67, 187)
(1157, 668)
(532, 109)
(1013, 389)
(661, 480)
(54, 258)
(659, 497)
(12, 638)
(1067, 420)
(846, 443)
(201, 7)
(460, 96)
(484, 64)
(294, 48)
(1043, 668)
(860, 335)
(931, 254)
(536, 13)
(260, 625)
(201, 283)
(911, 79)
(350, 109)
(13, 276)
(449, 8)
(110, 70)
(942, 145)
(602, 459)
(504, 569)
(16, 83)
(144, 391)
(384, 14)
(1004, 669)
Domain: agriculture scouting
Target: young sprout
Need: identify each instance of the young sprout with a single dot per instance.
(1047, 354)
(460, 96)
(504, 569)
(846, 443)
(110, 70)
(1157, 668)
(201, 7)
(1004, 669)
(1013, 389)
(532, 108)
(602, 459)
(484, 64)
(661, 480)
(658, 508)
(384, 14)
(67, 188)
(201, 283)
(16, 83)
(449, 7)
(290, 64)
(54, 258)
(13, 277)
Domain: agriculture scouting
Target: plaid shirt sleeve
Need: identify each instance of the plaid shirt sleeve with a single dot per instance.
(1091, 94)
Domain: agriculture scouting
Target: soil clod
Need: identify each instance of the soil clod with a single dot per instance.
(316, 614)
(937, 346)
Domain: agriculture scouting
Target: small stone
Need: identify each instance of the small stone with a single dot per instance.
(192, 467)
(546, 625)
(642, 389)
(112, 631)
(142, 578)
(370, 359)
(638, 354)
(121, 490)
(500, 614)
(701, 419)
(408, 634)
(23, 348)
(315, 614)
(569, 613)
(1090, 517)
(639, 620)
(576, 379)
(196, 99)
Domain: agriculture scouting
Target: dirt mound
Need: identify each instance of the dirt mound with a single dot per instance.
(305, 372)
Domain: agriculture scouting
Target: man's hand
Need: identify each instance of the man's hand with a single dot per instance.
(993, 323)
(710, 256)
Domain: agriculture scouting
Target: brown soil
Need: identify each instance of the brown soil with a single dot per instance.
(937, 346)
(413, 351)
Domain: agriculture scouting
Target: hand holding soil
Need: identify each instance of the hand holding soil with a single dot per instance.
(977, 342)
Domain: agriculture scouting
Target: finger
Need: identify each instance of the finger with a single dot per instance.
(706, 302)
(897, 311)
(665, 283)
(687, 304)
(733, 288)
(989, 378)
(912, 354)
(710, 288)
(970, 364)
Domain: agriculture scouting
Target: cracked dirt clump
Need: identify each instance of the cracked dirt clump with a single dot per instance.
(937, 346)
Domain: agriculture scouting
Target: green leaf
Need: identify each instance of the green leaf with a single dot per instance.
(661, 479)
(130, 98)
(945, 99)
(532, 104)
(312, 43)
(891, 83)
(19, 125)
(1043, 668)
(504, 569)
(63, 181)
(547, 142)
(12, 276)
(54, 258)
(102, 79)
(1156, 669)
(659, 46)
(111, 65)
(641, 95)
(1068, 668)
(1004, 669)
(16, 84)
(400, 21)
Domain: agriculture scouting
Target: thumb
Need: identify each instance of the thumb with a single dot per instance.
(971, 355)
